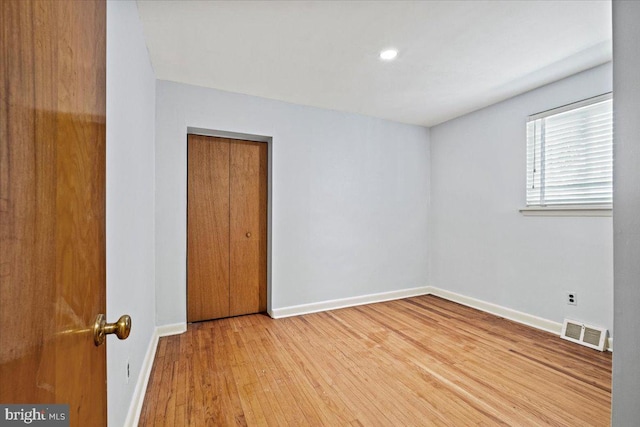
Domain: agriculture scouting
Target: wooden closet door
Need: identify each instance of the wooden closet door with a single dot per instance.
(208, 228)
(248, 228)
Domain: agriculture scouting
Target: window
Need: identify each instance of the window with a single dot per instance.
(569, 156)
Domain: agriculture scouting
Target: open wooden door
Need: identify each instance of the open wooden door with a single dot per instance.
(52, 205)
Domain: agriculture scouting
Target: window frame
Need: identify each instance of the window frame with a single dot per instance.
(565, 209)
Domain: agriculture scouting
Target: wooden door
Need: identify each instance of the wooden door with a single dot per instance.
(208, 229)
(52, 204)
(248, 229)
(227, 228)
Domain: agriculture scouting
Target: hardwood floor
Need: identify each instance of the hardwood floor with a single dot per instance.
(418, 361)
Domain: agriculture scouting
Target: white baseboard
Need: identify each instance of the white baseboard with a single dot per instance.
(315, 307)
(507, 313)
(173, 329)
(137, 400)
(498, 310)
(141, 383)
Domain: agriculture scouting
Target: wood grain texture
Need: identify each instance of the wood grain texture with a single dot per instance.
(248, 227)
(263, 227)
(208, 228)
(227, 228)
(52, 204)
(417, 361)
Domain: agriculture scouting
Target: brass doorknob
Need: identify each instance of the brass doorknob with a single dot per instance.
(101, 328)
(248, 234)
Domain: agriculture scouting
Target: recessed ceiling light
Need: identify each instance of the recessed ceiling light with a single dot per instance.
(388, 54)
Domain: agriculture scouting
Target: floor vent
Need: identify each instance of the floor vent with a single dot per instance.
(589, 336)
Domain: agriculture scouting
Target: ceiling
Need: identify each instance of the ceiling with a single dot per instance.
(454, 56)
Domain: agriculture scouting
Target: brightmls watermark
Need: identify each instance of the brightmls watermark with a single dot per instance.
(36, 415)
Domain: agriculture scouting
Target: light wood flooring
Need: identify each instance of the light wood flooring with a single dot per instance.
(420, 361)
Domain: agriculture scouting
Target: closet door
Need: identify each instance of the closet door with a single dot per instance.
(207, 228)
(227, 228)
(248, 228)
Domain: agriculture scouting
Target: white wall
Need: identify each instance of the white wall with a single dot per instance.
(130, 200)
(350, 197)
(483, 247)
(626, 217)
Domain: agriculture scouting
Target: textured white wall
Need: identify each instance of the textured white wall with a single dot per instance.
(130, 200)
(626, 214)
(483, 247)
(350, 196)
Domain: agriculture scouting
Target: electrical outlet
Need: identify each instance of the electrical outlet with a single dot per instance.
(128, 373)
(572, 298)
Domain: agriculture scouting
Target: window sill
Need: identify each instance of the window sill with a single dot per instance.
(566, 211)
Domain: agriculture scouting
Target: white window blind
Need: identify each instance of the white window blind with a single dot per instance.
(569, 155)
